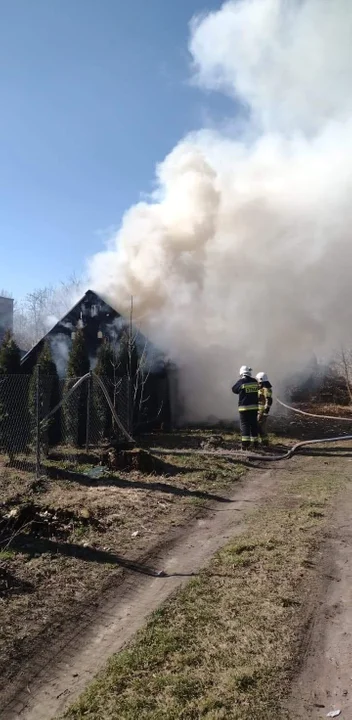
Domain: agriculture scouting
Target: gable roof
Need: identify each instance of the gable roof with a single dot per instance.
(108, 320)
(91, 298)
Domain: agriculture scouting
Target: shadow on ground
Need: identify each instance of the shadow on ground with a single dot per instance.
(31, 545)
(107, 480)
(11, 585)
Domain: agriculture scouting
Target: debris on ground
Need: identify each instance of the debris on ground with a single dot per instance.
(333, 713)
(211, 443)
(96, 472)
(67, 539)
(39, 521)
(135, 459)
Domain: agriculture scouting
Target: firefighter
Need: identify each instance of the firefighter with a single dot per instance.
(265, 401)
(247, 390)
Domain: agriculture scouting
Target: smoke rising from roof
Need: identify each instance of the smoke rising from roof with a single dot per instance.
(243, 255)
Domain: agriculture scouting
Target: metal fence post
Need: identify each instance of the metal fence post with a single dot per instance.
(37, 418)
(88, 410)
(130, 404)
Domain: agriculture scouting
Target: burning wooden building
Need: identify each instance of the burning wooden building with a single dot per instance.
(100, 323)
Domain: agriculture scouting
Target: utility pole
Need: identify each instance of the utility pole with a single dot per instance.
(88, 410)
(37, 418)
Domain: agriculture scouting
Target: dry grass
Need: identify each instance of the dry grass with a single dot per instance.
(226, 646)
(50, 570)
(326, 409)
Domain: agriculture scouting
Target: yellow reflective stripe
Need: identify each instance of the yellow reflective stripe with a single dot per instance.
(248, 407)
(250, 387)
(245, 438)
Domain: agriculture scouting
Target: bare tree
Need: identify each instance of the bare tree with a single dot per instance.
(141, 362)
(116, 381)
(37, 303)
(136, 376)
(345, 362)
(41, 309)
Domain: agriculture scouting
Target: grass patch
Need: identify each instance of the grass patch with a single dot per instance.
(7, 555)
(225, 647)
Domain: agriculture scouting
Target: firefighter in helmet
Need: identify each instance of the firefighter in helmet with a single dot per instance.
(247, 390)
(265, 401)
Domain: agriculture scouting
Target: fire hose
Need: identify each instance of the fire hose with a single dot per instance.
(268, 457)
(232, 453)
(304, 443)
(74, 387)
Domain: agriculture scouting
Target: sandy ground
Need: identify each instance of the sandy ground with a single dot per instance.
(325, 681)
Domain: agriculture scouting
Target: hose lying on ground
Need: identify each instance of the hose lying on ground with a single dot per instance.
(267, 456)
(321, 417)
(229, 453)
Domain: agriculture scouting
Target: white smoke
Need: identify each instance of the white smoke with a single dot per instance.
(244, 254)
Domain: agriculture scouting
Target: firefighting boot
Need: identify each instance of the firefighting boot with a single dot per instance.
(245, 445)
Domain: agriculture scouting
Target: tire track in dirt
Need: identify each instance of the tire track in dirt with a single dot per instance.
(324, 683)
(61, 673)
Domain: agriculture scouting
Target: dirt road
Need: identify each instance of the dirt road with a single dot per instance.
(58, 677)
(64, 671)
(325, 680)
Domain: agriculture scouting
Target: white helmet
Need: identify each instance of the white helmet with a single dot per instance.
(245, 370)
(261, 377)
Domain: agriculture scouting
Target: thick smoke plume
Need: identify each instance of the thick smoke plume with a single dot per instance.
(244, 254)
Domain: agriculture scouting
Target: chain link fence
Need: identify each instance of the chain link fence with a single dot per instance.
(15, 418)
(46, 422)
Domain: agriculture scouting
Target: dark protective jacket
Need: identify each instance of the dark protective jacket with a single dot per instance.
(247, 390)
(265, 397)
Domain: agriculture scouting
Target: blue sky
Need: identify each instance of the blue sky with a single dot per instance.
(93, 94)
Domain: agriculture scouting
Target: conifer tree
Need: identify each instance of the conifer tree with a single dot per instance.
(107, 368)
(78, 361)
(75, 407)
(10, 356)
(45, 374)
(12, 398)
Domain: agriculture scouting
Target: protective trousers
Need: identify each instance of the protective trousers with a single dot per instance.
(249, 428)
(263, 434)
